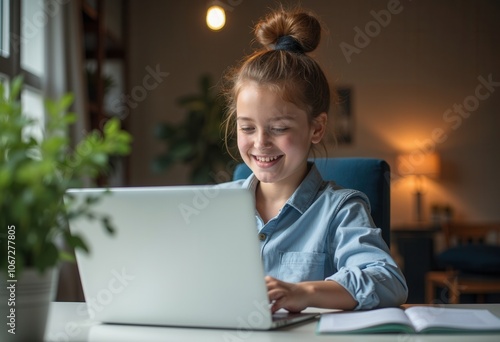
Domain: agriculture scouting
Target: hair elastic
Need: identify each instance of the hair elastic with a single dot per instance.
(288, 43)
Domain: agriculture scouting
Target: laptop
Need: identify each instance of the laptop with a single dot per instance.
(180, 256)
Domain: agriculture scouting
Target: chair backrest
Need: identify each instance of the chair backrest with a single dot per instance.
(368, 175)
(471, 248)
(461, 233)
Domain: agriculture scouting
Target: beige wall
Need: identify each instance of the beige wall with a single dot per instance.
(405, 82)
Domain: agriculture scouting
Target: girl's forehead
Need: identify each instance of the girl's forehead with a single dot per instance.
(260, 87)
(252, 94)
(268, 91)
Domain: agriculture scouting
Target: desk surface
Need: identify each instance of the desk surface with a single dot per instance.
(70, 322)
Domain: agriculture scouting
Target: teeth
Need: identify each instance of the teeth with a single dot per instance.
(266, 159)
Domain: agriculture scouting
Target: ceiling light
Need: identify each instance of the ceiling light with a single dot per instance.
(216, 18)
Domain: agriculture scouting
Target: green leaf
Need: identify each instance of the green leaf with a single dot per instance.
(66, 101)
(66, 256)
(2, 92)
(54, 144)
(70, 118)
(51, 106)
(163, 131)
(92, 200)
(48, 257)
(75, 241)
(5, 177)
(111, 127)
(162, 163)
(99, 158)
(182, 151)
(108, 225)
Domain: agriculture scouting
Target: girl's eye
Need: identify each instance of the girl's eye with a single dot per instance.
(279, 129)
(246, 129)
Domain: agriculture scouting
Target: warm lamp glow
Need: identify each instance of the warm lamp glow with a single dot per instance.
(418, 164)
(216, 18)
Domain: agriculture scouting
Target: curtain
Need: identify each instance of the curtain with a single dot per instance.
(65, 73)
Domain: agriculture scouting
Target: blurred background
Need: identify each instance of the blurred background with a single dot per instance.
(419, 86)
(409, 75)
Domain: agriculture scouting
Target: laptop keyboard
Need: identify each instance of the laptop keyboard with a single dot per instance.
(283, 316)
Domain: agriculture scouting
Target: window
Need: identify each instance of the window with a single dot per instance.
(4, 28)
(33, 22)
(22, 51)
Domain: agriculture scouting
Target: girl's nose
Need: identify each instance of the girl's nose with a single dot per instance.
(262, 140)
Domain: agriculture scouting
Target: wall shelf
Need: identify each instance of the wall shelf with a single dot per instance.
(106, 69)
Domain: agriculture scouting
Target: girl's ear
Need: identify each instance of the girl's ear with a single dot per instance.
(318, 128)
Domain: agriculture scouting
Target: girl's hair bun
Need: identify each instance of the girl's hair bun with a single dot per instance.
(302, 26)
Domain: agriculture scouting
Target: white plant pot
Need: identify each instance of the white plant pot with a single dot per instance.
(30, 298)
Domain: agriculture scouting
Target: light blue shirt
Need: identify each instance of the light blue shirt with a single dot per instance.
(325, 232)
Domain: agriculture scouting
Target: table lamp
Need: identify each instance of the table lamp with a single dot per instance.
(419, 165)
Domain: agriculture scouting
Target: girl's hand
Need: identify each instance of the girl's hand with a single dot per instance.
(295, 297)
(289, 296)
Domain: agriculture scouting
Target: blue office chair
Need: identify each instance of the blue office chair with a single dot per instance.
(368, 175)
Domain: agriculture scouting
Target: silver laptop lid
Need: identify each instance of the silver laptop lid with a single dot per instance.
(181, 256)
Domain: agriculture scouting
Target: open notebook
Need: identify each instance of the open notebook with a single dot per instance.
(181, 256)
(416, 319)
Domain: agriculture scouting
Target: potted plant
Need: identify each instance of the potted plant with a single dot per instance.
(92, 79)
(197, 140)
(34, 176)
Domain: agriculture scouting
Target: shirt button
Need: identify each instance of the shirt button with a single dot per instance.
(262, 236)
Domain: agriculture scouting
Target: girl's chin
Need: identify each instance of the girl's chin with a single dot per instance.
(265, 177)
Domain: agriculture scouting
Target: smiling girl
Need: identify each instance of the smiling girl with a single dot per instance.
(318, 242)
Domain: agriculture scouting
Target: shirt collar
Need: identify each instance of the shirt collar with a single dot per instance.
(305, 193)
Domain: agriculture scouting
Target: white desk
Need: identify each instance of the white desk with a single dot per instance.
(70, 322)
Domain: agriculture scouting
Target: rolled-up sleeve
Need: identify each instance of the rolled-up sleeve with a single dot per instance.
(363, 262)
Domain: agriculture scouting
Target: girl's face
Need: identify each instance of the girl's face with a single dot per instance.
(274, 136)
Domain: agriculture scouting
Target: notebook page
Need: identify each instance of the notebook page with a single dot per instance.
(473, 319)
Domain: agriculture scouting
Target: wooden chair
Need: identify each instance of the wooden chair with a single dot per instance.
(471, 260)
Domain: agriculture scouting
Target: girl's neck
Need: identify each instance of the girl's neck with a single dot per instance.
(275, 192)
(271, 197)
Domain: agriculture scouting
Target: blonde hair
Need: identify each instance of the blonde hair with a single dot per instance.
(282, 65)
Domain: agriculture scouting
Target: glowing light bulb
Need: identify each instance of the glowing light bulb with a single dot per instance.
(216, 18)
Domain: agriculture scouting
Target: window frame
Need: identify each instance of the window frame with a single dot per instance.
(11, 65)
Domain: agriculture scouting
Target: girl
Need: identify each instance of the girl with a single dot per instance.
(319, 244)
